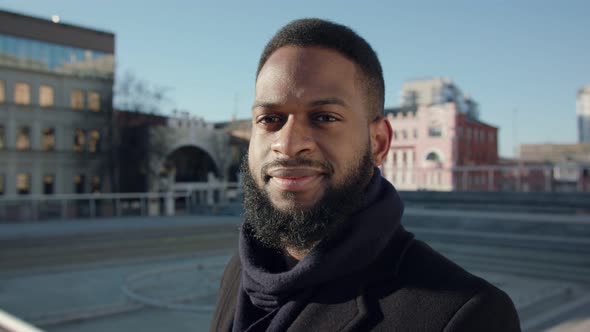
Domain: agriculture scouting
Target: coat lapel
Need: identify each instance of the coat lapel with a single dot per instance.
(319, 315)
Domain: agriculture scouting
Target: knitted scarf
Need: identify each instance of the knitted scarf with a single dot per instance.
(271, 297)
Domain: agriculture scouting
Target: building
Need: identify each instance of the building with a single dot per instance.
(583, 114)
(162, 153)
(56, 86)
(555, 153)
(570, 163)
(436, 91)
(438, 141)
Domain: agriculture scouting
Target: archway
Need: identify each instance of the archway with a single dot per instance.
(191, 164)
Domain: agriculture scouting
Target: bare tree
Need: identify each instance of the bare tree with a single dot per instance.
(137, 95)
(137, 109)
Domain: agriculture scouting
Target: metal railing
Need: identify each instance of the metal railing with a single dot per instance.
(190, 198)
(492, 178)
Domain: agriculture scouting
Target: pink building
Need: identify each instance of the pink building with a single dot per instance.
(433, 145)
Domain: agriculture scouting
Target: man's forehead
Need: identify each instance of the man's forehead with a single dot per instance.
(310, 58)
(303, 73)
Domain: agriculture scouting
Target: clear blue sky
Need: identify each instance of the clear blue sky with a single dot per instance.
(529, 56)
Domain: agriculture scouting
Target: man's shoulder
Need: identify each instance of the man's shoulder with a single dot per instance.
(227, 296)
(233, 267)
(432, 290)
(424, 266)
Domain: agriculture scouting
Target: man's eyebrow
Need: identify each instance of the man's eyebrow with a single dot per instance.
(263, 104)
(328, 101)
(313, 103)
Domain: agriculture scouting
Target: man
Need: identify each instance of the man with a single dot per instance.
(322, 248)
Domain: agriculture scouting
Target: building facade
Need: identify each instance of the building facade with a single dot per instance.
(570, 164)
(583, 114)
(435, 132)
(56, 86)
(436, 91)
(160, 153)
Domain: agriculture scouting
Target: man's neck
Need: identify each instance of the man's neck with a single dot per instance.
(293, 256)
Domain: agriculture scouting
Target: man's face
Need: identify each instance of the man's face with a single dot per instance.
(310, 126)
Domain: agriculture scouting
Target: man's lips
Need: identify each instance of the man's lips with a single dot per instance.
(294, 179)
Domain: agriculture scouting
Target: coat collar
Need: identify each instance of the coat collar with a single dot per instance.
(352, 303)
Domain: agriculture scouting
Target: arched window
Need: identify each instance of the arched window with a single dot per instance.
(433, 156)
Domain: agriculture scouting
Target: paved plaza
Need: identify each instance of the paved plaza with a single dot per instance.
(177, 291)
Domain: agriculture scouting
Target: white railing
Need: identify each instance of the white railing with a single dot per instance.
(184, 199)
(11, 323)
(492, 178)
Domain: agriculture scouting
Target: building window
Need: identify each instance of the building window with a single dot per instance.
(48, 184)
(93, 101)
(1, 184)
(435, 131)
(48, 143)
(93, 140)
(79, 140)
(2, 144)
(491, 137)
(394, 157)
(405, 134)
(433, 156)
(77, 99)
(404, 157)
(46, 94)
(79, 184)
(23, 183)
(22, 94)
(2, 95)
(395, 134)
(95, 184)
(415, 133)
(23, 138)
(468, 134)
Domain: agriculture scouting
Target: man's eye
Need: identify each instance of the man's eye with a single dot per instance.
(269, 119)
(325, 118)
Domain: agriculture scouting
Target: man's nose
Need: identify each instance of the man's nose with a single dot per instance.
(294, 138)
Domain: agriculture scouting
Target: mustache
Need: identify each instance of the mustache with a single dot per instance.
(325, 166)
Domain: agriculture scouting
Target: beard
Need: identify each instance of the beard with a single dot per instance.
(297, 227)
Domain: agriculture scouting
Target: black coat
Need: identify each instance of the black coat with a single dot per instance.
(410, 287)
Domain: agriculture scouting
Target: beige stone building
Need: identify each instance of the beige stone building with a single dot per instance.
(56, 83)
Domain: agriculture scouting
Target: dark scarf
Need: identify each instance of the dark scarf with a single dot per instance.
(271, 296)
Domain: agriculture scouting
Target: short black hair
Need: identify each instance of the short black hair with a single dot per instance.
(313, 32)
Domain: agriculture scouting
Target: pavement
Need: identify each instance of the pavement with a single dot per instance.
(89, 226)
(144, 294)
(93, 297)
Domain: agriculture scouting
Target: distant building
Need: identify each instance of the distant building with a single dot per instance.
(435, 131)
(583, 114)
(436, 91)
(556, 153)
(56, 83)
(238, 128)
(161, 153)
(430, 141)
(570, 163)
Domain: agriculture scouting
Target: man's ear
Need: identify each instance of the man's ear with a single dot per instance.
(381, 133)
